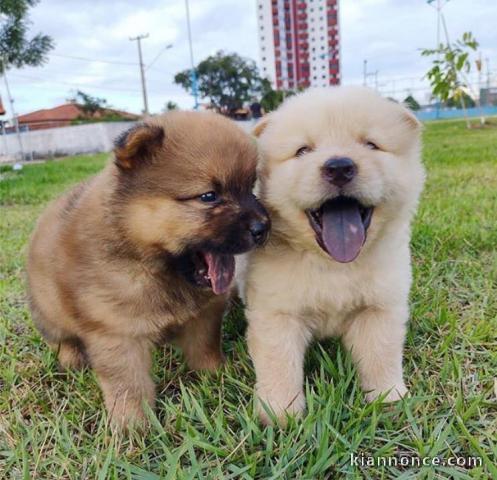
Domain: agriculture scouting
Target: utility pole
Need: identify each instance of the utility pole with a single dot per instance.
(14, 116)
(138, 40)
(366, 74)
(487, 61)
(438, 7)
(193, 72)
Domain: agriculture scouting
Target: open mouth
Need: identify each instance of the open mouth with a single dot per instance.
(341, 226)
(214, 270)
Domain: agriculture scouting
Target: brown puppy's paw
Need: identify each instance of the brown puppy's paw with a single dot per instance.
(126, 415)
(210, 361)
(71, 356)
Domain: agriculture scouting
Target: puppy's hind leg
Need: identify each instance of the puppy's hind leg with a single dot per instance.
(71, 354)
(200, 338)
(68, 347)
(376, 338)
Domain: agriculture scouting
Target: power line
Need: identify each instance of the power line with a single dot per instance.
(85, 59)
(82, 86)
(59, 82)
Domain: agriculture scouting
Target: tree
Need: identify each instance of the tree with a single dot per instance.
(90, 105)
(272, 99)
(456, 100)
(412, 103)
(227, 80)
(170, 105)
(447, 76)
(15, 47)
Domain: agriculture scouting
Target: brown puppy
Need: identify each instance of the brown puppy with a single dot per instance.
(144, 252)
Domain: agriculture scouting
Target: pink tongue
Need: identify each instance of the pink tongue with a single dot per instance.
(343, 230)
(221, 269)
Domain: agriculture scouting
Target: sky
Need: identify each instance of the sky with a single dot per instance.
(388, 33)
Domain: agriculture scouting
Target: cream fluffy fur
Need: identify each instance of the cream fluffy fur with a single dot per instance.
(293, 290)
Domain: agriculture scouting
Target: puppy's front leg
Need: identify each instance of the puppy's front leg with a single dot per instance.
(277, 345)
(123, 366)
(376, 339)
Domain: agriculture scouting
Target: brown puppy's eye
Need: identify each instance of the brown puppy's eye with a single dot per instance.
(303, 150)
(208, 197)
(371, 145)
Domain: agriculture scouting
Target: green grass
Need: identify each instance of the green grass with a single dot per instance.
(53, 426)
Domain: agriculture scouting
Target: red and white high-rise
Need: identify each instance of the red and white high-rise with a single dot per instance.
(299, 42)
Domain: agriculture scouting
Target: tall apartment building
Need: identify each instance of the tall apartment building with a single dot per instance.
(299, 42)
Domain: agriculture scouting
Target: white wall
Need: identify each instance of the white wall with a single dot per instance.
(87, 138)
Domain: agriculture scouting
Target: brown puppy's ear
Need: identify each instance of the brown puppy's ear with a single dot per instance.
(261, 125)
(137, 145)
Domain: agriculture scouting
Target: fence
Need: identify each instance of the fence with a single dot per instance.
(54, 142)
(447, 113)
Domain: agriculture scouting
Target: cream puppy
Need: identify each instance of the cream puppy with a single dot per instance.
(341, 176)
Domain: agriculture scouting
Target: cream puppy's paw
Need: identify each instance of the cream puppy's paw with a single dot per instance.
(280, 410)
(395, 394)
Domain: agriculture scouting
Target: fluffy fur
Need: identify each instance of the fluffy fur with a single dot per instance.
(118, 263)
(294, 291)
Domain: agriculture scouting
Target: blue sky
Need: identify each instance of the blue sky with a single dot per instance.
(388, 33)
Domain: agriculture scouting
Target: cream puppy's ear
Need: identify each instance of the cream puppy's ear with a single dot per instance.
(261, 125)
(410, 118)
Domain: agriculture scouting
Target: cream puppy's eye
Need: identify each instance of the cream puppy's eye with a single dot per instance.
(371, 145)
(303, 150)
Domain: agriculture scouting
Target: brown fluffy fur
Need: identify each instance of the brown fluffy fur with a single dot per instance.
(104, 285)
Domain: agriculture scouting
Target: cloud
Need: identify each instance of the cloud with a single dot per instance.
(388, 33)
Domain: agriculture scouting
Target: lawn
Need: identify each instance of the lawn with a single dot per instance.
(53, 425)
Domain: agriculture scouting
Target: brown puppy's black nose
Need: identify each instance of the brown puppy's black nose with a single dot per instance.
(339, 170)
(258, 230)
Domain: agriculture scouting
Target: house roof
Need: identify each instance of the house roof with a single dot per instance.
(66, 112)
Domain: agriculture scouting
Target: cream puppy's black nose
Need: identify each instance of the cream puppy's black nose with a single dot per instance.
(339, 170)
